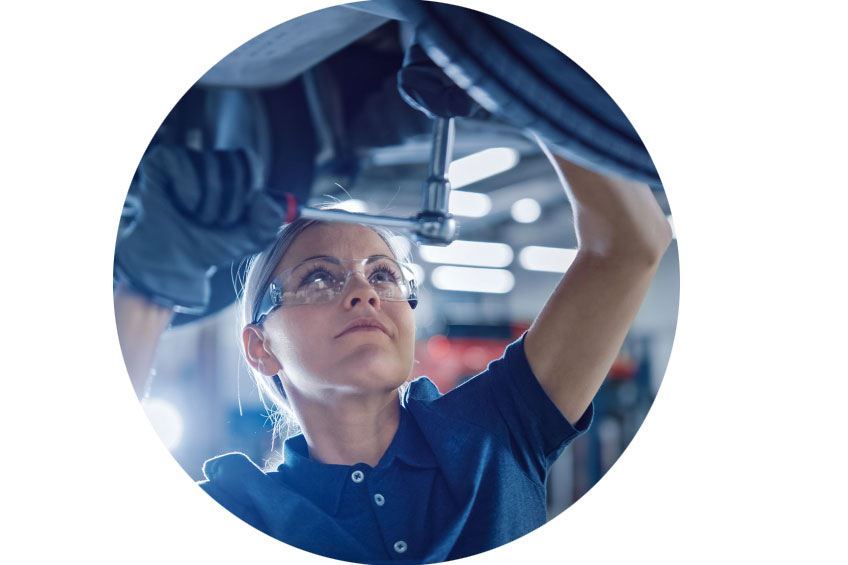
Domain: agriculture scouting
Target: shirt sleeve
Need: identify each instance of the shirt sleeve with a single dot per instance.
(538, 432)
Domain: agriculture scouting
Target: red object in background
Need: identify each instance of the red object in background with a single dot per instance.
(449, 362)
(624, 367)
(438, 347)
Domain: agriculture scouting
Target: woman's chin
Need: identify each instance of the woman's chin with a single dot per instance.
(375, 371)
(375, 363)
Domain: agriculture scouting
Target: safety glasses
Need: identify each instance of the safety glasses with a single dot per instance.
(320, 280)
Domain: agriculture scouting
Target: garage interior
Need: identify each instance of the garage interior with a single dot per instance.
(328, 116)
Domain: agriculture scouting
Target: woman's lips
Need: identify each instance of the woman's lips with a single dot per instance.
(364, 325)
(361, 329)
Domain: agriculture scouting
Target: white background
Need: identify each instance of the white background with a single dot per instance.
(742, 458)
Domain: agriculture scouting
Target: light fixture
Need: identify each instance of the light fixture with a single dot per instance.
(470, 279)
(470, 204)
(549, 259)
(166, 420)
(473, 253)
(526, 210)
(481, 165)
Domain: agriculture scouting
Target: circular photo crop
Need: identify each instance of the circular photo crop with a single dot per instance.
(396, 281)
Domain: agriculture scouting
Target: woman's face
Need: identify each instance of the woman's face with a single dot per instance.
(317, 355)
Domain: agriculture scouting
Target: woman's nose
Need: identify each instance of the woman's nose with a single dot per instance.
(360, 290)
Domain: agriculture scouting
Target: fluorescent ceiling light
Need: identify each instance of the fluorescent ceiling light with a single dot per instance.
(471, 204)
(526, 210)
(473, 253)
(469, 279)
(549, 259)
(353, 205)
(166, 420)
(481, 165)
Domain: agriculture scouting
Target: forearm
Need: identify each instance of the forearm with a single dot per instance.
(622, 235)
(140, 323)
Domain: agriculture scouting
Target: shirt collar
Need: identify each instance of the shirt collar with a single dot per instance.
(323, 483)
(409, 444)
(320, 483)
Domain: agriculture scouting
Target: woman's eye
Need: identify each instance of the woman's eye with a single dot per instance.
(383, 276)
(320, 278)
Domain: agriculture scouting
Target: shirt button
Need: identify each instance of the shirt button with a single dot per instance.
(378, 498)
(400, 546)
(357, 476)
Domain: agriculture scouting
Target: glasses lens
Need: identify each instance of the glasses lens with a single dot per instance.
(321, 280)
(313, 282)
(388, 278)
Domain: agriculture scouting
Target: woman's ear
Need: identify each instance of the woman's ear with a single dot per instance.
(258, 352)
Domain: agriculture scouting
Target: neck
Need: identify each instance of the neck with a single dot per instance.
(348, 429)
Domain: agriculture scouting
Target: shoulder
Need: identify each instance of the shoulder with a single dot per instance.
(228, 464)
(230, 472)
(235, 482)
(424, 394)
(422, 389)
(469, 402)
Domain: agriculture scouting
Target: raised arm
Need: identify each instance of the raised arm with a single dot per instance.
(622, 234)
(140, 324)
(199, 211)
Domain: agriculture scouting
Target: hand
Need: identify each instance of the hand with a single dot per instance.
(199, 210)
(615, 217)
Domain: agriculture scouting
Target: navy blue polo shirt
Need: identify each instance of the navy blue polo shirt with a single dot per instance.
(464, 473)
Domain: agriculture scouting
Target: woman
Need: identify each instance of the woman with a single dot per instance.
(380, 475)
